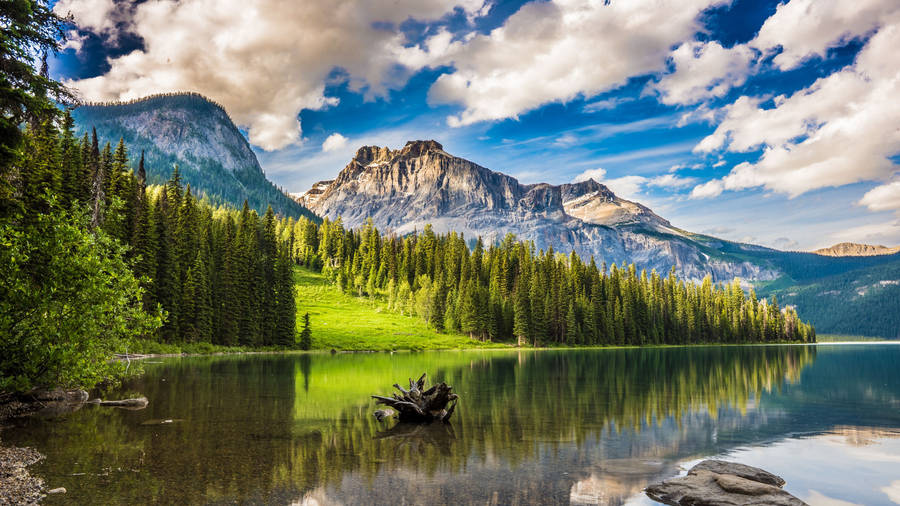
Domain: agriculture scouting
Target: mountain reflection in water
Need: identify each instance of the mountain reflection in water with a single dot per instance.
(567, 426)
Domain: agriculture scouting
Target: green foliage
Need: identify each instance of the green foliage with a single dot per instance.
(345, 321)
(510, 293)
(30, 30)
(68, 299)
(863, 301)
(306, 334)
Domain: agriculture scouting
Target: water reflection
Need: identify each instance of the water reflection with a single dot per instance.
(581, 427)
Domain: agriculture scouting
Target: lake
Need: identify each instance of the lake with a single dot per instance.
(553, 427)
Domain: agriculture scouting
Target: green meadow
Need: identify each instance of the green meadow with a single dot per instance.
(345, 322)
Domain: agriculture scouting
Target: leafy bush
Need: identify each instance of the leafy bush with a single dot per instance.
(67, 300)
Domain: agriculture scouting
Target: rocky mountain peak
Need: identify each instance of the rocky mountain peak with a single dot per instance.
(418, 148)
(850, 249)
(572, 191)
(403, 190)
(372, 154)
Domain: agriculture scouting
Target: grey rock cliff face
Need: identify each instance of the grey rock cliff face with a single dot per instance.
(403, 190)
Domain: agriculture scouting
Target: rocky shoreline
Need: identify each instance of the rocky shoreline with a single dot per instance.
(17, 485)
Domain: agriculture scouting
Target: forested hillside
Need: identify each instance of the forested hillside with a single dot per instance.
(863, 301)
(93, 258)
(189, 130)
(509, 292)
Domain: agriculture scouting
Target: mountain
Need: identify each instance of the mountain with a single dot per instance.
(851, 249)
(403, 190)
(863, 300)
(196, 134)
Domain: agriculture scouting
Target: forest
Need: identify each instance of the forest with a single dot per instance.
(510, 292)
(163, 265)
(93, 259)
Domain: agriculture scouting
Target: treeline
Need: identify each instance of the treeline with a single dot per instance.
(508, 291)
(221, 276)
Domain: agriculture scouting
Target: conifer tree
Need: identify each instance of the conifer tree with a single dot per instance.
(306, 334)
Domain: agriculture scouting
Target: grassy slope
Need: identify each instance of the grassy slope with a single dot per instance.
(344, 322)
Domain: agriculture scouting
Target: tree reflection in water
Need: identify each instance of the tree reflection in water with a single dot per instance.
(548, 426)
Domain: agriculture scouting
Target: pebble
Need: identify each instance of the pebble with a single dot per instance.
(59, 490)
(17, 486)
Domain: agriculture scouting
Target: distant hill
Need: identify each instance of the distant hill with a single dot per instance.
(851, 249)
(197, 134)
(864, 299)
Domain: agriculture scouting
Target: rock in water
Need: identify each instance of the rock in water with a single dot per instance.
(60, 490)
(744, 471)
(716, 482)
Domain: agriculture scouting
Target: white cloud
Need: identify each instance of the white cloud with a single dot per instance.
(98, 16)
(893, 491)
(707, 190)
(566, 140)
(806, 28)
(840, 130)
(883, 198)
(597, 174)
(605, 104)
(887, 233)
(786, 244)
(263, 60)
(559, 50)
(334, 142)
(671, 181)
(73, 41)
(703, 70)
(629, 187)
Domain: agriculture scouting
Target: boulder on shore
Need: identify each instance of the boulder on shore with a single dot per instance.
(716, 482)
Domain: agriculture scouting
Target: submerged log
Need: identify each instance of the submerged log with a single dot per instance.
(420, 405)
(136, 403)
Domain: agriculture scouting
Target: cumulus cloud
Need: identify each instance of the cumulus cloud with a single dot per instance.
(703, 70)
(559, 50)
(263, 60)
(334, 142)
(103, 17)
(74, 41)
(629, 187)
(708, 189)
(841, 129)
(883, 198)
(801, 29)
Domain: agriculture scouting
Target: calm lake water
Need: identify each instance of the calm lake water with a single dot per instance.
(552, 427)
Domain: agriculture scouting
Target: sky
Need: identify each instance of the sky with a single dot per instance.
(775, 123)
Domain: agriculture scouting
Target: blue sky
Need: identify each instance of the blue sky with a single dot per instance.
(759, 121)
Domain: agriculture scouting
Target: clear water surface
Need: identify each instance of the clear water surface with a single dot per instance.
(533, 427)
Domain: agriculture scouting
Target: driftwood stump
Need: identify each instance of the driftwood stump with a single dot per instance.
(420, 405)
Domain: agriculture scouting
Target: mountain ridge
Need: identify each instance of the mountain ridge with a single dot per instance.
(195, 133)
(852, 249)
(404, 189)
